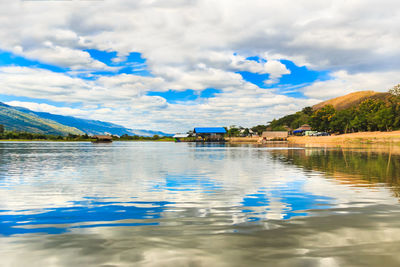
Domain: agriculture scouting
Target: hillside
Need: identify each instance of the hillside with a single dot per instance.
(92, 127)
(23, 119)
(351, 100)
(16, 120)
(355, 112)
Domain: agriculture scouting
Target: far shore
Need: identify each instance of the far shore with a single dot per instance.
(83, 141)
(351, 139)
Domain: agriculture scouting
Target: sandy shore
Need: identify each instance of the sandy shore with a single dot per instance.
(352, 138)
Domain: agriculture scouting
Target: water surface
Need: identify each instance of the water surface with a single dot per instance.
(184, 204)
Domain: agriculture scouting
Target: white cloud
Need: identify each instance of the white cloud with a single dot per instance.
(42, 107)
(338, 34)
(344, 83)
(66, 57)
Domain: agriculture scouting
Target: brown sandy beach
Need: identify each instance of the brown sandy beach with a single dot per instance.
(352, 138)
(334, 140)
(377, 142)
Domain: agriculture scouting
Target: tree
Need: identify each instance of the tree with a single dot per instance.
(1, 128)
(341, 122)
(395, 90)
(384, 118)
(233, 131)
(367, 119)
(307, 110)
(259, 129)
(321, 118)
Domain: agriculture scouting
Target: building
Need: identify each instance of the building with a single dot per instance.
(210, 134)
(303, 128)
(275, 135)
(179, 137)
(247, 133)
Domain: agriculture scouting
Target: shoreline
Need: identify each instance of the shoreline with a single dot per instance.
(82, 141)
(359, 138)
(351, 139)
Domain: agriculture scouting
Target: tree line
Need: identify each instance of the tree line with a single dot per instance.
(15, 135)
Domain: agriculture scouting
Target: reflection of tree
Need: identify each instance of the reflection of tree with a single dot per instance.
(357, 167)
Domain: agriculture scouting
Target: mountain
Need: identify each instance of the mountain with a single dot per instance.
(23, 119)
(92, 127)
(16, 120)
(351, 100)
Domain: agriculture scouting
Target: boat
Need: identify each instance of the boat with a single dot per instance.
(102, 139)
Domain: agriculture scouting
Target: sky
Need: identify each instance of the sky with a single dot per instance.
(172, 65)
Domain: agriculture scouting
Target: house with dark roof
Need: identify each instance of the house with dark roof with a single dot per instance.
(303, 128)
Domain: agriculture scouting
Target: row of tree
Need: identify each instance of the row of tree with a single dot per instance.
(14, 135)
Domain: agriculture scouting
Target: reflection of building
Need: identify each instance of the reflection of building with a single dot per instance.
(210, 134)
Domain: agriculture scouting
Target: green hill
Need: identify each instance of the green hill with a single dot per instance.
(355, 112)
(15, 120)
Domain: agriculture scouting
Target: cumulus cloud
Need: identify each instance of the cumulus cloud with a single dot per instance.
(42, 107)
(343, 82)
(65, 57)
(325, 35)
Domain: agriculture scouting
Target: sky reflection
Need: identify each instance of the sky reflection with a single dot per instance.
(83, 214)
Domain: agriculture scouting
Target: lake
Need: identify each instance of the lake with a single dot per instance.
(187, 204)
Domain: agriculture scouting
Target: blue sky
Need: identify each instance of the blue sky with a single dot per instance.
(140, 65)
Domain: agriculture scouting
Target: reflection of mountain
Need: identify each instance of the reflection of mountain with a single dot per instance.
(358, 167)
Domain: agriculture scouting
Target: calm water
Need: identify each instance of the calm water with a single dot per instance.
(167, 204)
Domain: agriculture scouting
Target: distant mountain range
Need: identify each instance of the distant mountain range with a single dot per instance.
(23, 119)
